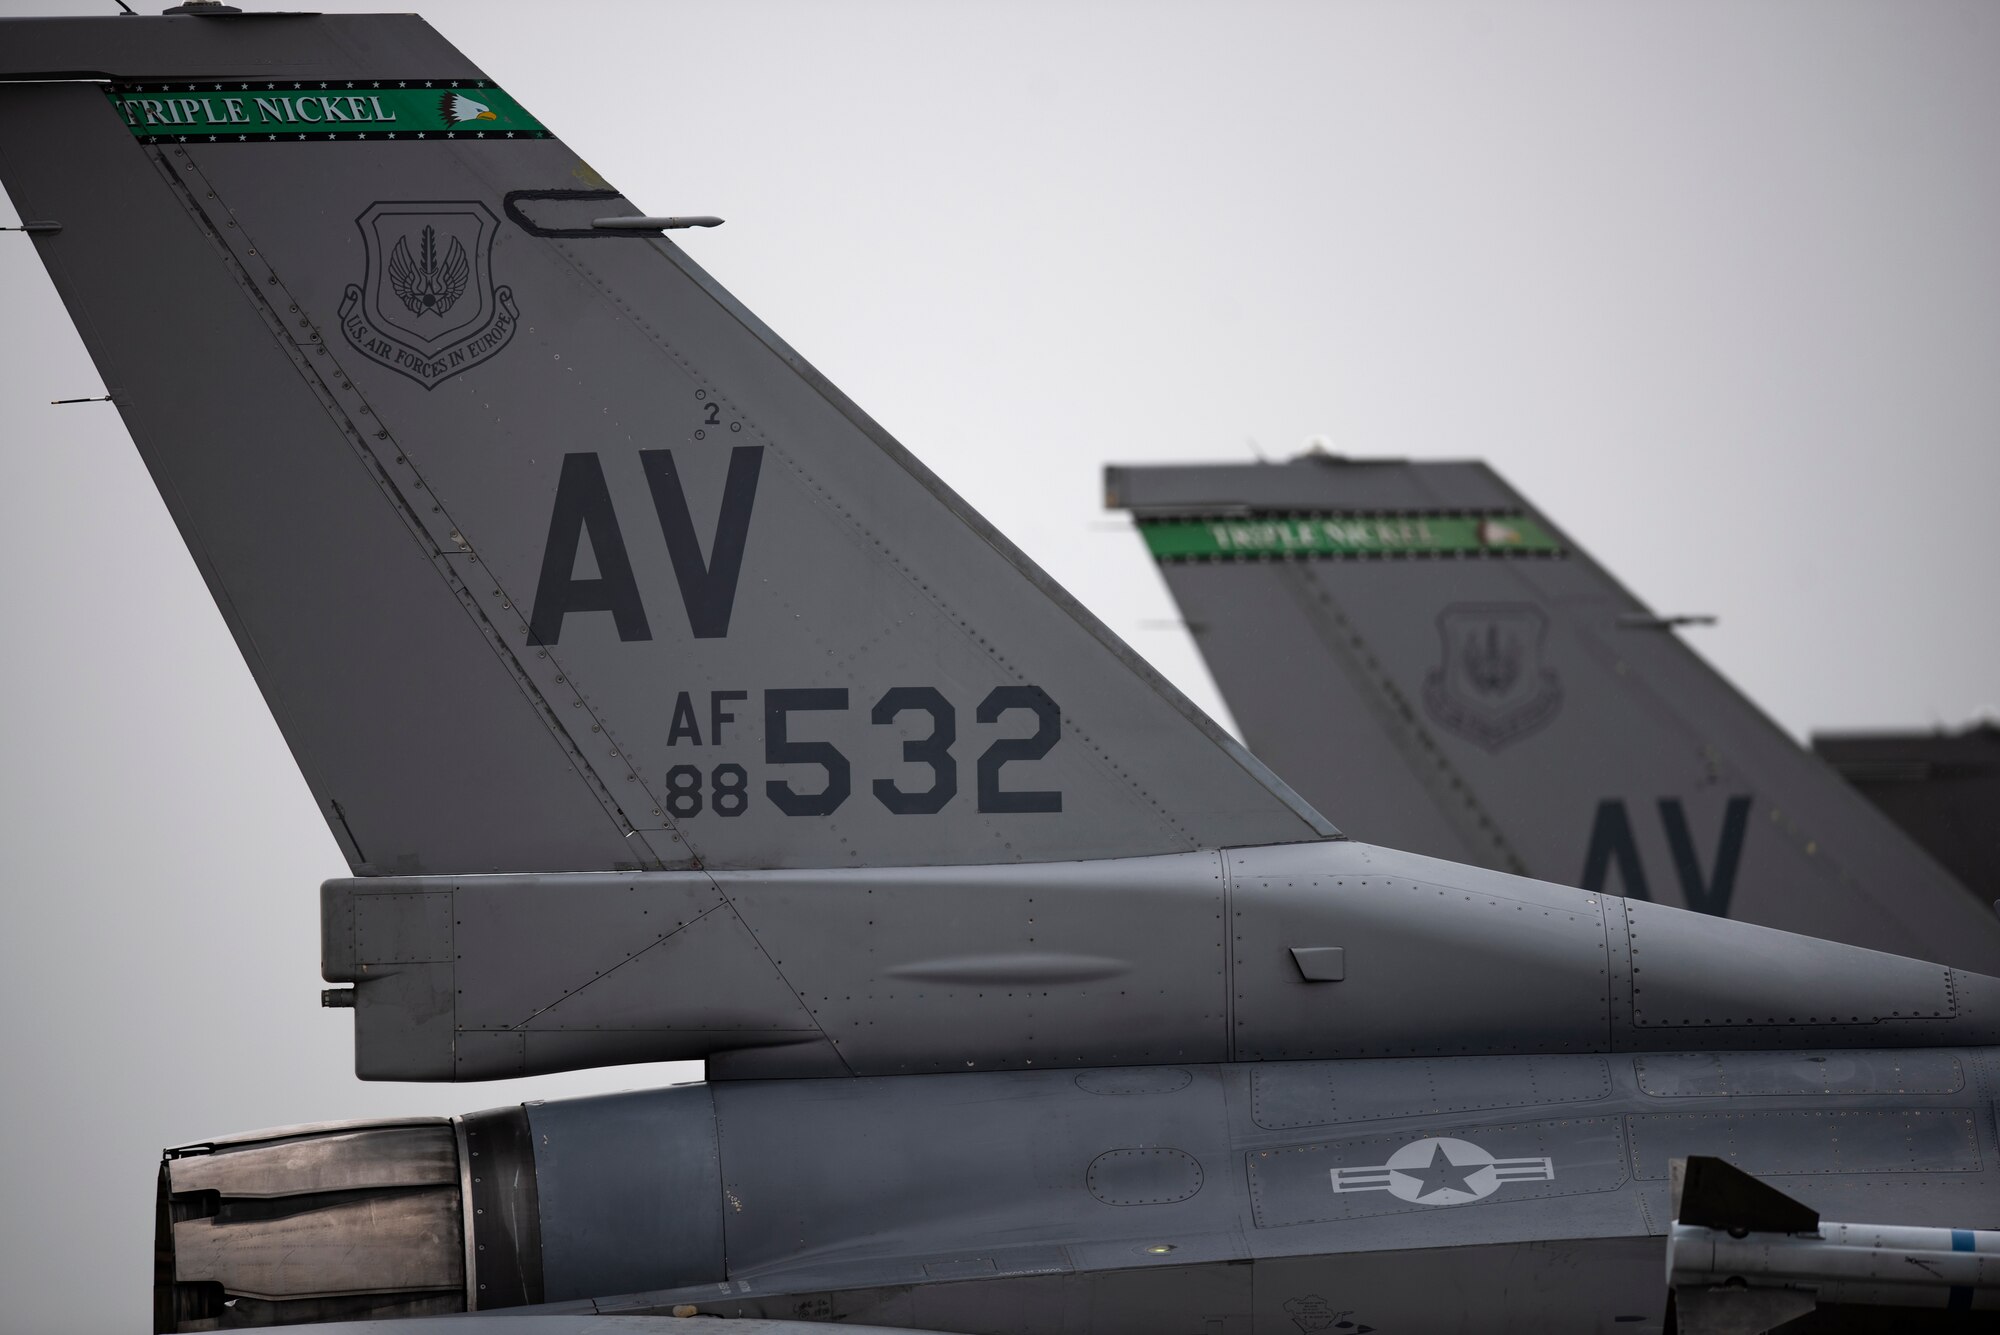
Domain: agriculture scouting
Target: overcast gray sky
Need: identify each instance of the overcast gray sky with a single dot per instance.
(1716, 284)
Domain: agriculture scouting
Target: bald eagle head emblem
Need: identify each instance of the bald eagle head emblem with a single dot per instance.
(457, 108)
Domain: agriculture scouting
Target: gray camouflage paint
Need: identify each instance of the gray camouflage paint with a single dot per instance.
(493, 733)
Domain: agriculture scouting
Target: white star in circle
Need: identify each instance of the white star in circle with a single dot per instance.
(1442, 1170)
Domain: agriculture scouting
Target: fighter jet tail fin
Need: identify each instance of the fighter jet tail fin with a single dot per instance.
(546, 553)
(1433, 661)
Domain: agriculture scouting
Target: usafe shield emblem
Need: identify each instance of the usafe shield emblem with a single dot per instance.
(428, 306)
(1491, 687)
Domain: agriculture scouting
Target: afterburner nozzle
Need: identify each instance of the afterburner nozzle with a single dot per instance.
(334, 1221)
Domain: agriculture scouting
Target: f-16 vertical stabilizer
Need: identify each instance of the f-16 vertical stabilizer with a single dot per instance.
(546, 553)
(1436, 664)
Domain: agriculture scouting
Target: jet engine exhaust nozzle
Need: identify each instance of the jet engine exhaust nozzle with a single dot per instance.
(340, 1221)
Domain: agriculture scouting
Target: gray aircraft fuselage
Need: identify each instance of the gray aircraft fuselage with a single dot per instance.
(1516, 1064)
(1481, 1194)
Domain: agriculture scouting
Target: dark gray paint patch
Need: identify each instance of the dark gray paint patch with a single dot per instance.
(1323, 1093)
(1914, 1140)
(1687, 1075)
(631, 1191)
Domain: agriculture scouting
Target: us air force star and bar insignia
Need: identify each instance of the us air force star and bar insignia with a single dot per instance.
(428, 306)
(1441, 1170)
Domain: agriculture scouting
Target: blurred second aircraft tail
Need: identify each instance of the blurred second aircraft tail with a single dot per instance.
(1434, 663)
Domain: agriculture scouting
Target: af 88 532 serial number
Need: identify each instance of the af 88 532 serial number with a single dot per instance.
(1018, 724)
